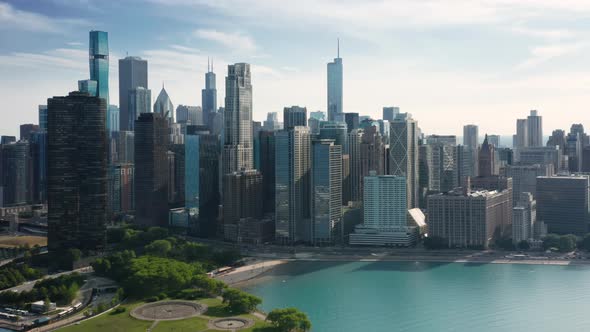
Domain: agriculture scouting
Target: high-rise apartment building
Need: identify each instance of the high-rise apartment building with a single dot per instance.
(524, 217)
(292, 185)
(77, 172)
(133, 74)
(43, 117)
(16, 170)
(469, 219)
(238, 151)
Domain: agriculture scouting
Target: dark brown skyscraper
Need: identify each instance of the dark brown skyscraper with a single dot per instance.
(151, 170)
(486, 159)
(77, 172)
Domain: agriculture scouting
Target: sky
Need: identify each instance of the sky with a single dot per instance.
(448, 63)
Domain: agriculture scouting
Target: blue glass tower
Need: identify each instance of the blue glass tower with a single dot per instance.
(99, 62)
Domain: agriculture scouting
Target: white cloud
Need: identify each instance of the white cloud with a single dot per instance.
(12, 18)
(61, 58)
(236, 41)
(541, 54)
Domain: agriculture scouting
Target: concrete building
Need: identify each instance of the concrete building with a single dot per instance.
(469, 219)
(471, 142)
(524, 178)
(389, 113)
(293, 185)
(189, 115)
(562, 203)
(524, 217)
(542, 156)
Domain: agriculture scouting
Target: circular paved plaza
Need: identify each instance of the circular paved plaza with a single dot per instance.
(168, 310)
(230, 323)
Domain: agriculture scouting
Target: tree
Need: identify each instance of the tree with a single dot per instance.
(551, 241)
(239, 301)
(210, 286)
(586, 242)
(505, 243)
(567, 243)
(524, 245)
(159, 248)
(289, 320)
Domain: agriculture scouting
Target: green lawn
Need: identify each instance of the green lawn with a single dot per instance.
(123, 322)
(111, 322)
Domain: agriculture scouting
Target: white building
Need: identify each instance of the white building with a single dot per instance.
(524, 216)
(385, 213)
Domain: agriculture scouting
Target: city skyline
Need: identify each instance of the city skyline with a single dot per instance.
(541, 66)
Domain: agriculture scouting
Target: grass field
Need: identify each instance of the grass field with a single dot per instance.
(16, 241)
(124, 322)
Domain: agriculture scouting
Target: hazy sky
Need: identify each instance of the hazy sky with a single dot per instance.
(447, 62)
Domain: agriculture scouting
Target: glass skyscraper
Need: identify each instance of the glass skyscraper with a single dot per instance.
(99, 62)
(133, 73)
(209, 96)
(335, 89)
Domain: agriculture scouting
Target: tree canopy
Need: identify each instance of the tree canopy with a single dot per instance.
(289, 320)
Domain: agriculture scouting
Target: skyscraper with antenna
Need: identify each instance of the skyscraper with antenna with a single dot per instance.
(335, 112)
(209, 94)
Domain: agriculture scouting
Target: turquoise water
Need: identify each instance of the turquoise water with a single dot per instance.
(392, 296)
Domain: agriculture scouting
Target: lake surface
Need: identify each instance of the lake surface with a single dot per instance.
(417, 296)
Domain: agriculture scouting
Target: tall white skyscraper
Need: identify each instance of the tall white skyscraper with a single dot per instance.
(535, 129)
(403, 154)
(238, 144)
(335, 112)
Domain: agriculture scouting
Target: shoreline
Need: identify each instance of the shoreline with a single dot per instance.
(258, 269)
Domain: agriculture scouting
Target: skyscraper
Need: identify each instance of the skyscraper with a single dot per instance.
(354, 153)
(151, 169)
(292, 185)
(385, 213)
(189, 115)
(470, 140)
(163, 105)
(389, 113)
(272, 122)
(133, 74)
(242, 198)
(326, 191)
(140, 101)
(562, 203)
(267, 168)
(77, 172)
(15, 173)
(294, 116)
(335, 93)
(486, 160)
(403, 154)
(209, 96)
(352, 121)
(43, 117)
(113, 119)
(201, 182)
(238, 151)
(522, 138)
(535, 129)
(99, 62)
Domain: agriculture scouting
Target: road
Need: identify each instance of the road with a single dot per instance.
(27, 286)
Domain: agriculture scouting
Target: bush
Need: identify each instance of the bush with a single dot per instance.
(152, 299)
(119, 310)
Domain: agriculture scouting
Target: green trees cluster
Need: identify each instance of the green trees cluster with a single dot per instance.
(240, 302)
(13, 275)
(62, 290)
(563, 243)
(289, 320)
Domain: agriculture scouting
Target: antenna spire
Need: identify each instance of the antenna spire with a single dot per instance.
(208, 67)
(211, 65)
(338, 41)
